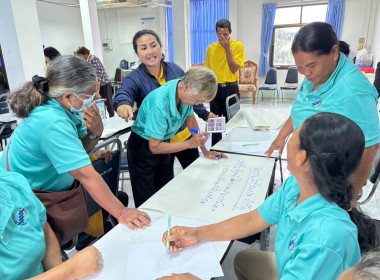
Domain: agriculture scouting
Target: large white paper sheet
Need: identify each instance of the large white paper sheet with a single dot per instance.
(152, 260)
(229, 187)
(114, 245)
(245, 140)
(258, 117)
(114, 125)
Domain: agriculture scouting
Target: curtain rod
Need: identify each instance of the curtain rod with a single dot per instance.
(282, 4)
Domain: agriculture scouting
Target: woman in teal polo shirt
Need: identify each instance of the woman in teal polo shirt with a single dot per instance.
(332, 84)
(49, 146)
(318, 232)
(28, 246)
(160, 116)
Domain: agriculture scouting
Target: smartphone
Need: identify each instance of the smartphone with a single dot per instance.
(215, 125)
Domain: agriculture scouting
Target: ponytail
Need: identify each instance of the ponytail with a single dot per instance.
(335, 145)
(25, 99)
(367, 235)
(66, 73)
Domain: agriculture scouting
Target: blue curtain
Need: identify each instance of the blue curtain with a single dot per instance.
(169, 22)
(269, 11)
(203, 16)
(335, 15)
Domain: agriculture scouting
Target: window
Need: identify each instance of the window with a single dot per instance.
(287, 22)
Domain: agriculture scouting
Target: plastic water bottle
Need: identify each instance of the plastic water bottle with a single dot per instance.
(102, 110)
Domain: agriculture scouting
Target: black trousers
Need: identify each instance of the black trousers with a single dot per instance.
(106, 92)
(148, 172)
(376, 82)
(185, 157)
(218, 106)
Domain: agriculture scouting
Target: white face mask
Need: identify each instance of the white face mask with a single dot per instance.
(86, 103)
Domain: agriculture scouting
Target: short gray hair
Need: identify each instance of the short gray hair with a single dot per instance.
(203, 82)
(66, 73)
(369, 266)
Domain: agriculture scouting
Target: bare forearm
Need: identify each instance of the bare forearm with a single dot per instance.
(52, 256)
(88, 143)
(234, 67)
(61, 272)
(233, 228)
(359, 178)
(98, 190)
(169, 148)
(287, 129)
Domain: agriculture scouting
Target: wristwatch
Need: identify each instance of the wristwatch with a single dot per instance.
(92, 137)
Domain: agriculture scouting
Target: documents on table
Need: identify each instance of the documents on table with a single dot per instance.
(119, 244)
(152, 260)
(229, 187)
(114, 125)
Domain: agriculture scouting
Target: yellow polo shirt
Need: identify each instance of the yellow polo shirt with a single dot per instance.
(216, 60)
(161, 79)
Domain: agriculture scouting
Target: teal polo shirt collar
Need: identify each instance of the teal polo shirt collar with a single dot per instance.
(330, 82)
(305, 208)
(172, 102)
(74, 117)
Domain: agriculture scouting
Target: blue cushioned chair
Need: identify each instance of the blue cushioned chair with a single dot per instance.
(270, 84)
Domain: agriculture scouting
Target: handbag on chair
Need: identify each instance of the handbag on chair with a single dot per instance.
(66, 211)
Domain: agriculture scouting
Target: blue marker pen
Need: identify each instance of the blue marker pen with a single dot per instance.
(193, 130)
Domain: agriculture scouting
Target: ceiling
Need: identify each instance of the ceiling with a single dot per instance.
(115, 4)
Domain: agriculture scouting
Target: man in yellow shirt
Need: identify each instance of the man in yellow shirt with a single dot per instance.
(224, 57)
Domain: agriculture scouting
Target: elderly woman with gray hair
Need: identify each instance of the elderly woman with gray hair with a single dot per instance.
(161, 114)
(49, 146)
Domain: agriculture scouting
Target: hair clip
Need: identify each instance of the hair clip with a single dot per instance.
(41, 84)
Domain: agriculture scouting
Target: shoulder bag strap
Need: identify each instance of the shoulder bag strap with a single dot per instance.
(8, 169)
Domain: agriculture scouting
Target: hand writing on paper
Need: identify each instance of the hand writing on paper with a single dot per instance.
(182, 276)
(125, 111)
(93, 120)
(214, 155)
(278, 144)
(134, 219)
(180, 237)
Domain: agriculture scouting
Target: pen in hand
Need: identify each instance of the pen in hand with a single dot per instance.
(169, 222)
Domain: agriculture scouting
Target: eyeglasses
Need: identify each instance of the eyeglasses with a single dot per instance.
(92, 97)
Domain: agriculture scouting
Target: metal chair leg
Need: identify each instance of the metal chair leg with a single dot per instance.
(282, 96)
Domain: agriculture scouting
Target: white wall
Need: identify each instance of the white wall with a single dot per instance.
(61, 26)
(21, 41)
(359, 20)
(108, 25)
(375, 49)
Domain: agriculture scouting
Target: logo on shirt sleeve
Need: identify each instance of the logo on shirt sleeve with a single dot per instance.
(20, 216)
